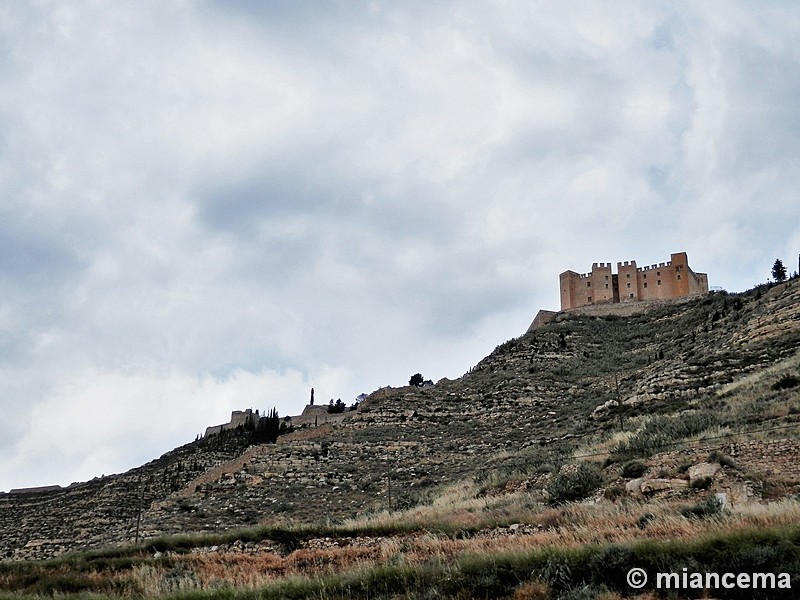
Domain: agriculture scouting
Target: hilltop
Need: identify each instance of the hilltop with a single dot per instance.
(644, 412)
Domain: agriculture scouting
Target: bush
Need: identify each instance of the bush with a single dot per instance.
(708, 508)
(534, 590)
(614, 492)
(584, 592)
(577, 485)
(723, 459)
(416, 380)
(633, 469)
(786, 382)
(703, 483)
(662, 431)
(645, 520)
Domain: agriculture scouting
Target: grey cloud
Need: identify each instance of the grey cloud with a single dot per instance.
(34, 258)
(222, 199)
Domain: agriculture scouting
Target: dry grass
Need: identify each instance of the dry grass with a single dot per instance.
(749, 386)
(603, 447)
(574, 526)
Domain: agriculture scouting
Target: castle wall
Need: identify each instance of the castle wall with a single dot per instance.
(570, 283)
(628, 282)
(599, 288)
(313, 415)
(238, 418)
(590, 288)
(213, 430)
(657, 282)
(542, 318)
(661, 281)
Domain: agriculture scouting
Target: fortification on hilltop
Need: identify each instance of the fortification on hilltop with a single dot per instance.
(662, 281)
(312, 416)
(239, 418)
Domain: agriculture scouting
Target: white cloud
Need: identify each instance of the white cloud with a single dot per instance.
(103, 421)
(204, 201)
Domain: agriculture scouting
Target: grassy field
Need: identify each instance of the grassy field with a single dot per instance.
(458, 547)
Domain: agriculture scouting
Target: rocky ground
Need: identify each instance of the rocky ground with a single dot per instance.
(580, 377)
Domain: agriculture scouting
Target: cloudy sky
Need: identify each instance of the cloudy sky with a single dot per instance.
(208, 206)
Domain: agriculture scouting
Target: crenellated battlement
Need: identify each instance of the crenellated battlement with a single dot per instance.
(659, 281)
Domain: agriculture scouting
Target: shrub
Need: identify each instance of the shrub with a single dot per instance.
(786, 382)
(723, 459)
(577, 485)
(610, 565)
(614, 492)
(703, 483)
(708, 508)
(633, 469)
(662, 431)
(534, 590)
(585, 592)
(645, 520)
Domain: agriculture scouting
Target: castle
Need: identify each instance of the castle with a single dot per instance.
(312, 415)
(631, 283)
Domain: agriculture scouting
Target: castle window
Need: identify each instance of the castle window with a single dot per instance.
(658, 273)
(659, 282)
(645, 284)
(679, 276)
(628, 275)
(629, 285)
(588, 284)
(644, 276)
(631, 295)
(607, 284)
(589, 299)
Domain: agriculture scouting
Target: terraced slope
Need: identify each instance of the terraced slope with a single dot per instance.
(554, 385)
(105, 509)
(557, 386)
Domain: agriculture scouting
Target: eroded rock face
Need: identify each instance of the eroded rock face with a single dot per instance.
(634, 486)
(650, 486)
(702, 471)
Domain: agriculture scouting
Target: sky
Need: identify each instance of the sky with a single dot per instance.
(210, 206)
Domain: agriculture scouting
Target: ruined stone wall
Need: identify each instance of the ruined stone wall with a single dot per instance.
(317, 415)
(239, 418)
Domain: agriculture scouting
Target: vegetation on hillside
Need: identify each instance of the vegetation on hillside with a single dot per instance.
(523, 479)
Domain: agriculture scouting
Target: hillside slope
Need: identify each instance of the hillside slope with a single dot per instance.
(585, 383)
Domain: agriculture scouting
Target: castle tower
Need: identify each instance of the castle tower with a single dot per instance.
(631, 283)
(628, 282)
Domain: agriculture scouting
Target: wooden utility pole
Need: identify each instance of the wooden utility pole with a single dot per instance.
(619, 402)
(389, 486)
(389, 479)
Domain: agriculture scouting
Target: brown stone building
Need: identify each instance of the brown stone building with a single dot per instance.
(631, 283)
